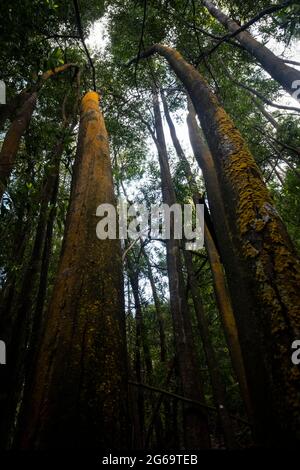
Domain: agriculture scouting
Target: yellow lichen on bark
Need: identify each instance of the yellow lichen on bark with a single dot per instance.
(266, 244)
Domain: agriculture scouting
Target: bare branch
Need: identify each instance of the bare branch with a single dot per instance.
(80, 31)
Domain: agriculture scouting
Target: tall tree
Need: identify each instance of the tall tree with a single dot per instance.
(81, 369)
(195, 421)
(266, 271)
(204, 159)
(276, 67)
(218, 389)
(157, 303)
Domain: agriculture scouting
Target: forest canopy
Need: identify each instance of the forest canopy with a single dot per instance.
(149, 342)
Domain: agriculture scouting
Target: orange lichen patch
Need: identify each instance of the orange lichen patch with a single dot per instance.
(92, 96)
(244, 174)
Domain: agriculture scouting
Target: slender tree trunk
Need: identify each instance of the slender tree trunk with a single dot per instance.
(275, 66)
(205, 162)
(19, 343)
(139, 344)
(39, 317)
(159, 314)
(157, 406)
(142, 342)
(265, 113)
(204, 158)
(140, 325)
(12, 140)
(78, 397)
(262, 266)
(195, 420)
(218, 388)
(9, 110)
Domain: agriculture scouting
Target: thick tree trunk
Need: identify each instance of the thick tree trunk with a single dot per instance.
(8, 301)
(275, 66)
(78, 398)
(195, 420)
(261, 265)
(218, 388)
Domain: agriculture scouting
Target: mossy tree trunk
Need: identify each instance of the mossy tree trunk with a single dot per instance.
(223, 300)
(78, 398)
(205, 162)
(263, 269)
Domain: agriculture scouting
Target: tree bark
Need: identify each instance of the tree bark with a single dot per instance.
(275, 66)
(262, 266)
(195, 421)
(78, 397)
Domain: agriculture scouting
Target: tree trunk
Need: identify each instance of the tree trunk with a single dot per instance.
(203, 157)
(9, 110)
(224, 302)
(195, 420)
(160, 320)
(265, 113)
(264, 269)
(139, 343)
(275, 66)
(18, 340)
(218, 388)
(39, 315)
(156, 410)
(78, 397)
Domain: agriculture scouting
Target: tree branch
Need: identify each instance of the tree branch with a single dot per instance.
(81, 35)
(182, 398)
(141, 40)
(266, 11)
(263, 98)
